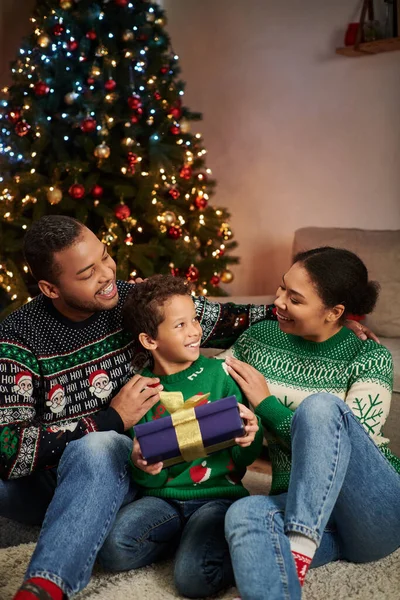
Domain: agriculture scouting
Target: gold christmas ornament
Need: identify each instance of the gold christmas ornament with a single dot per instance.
(54, 195)
(128, 35)
(44, 40)
(129, 141)
(227, 276)
(161, 21)
(110, 98)
(104, 132)
(65, 4)
(168, 217)
(185, 125)
(101, 50)
(70, 98)
(95, 71)
(102, 151)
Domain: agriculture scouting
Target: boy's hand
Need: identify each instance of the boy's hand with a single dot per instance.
(251, 382)
(135, 399)
(140, 463)
(251, 427)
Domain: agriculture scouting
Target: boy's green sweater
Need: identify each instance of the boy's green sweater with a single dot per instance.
(216, 476)
(360, 373)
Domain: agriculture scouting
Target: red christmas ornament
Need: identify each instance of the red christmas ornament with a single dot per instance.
(13, 115)
(72, 45)
(175, 130)
(174, 232)
(90, 80)
(132, 158)
(88, 125)
(58, 29)
(41, 88)
(215, 280)
(77, 191)
(164, 69)
(186, 172)
(134, 119)
(110, 85)
(175, 112)
(121, 2)
(192, 273)
(97, 191)
(221, 252)
(157, 95)
(91, 34)
(174, 193)
(175, 271)
(122, 211)
(134, 102)
(200, 202)
(22, 128)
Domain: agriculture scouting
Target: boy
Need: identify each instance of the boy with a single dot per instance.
(185, 502)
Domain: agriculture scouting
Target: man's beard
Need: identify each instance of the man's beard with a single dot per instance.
(90, 307)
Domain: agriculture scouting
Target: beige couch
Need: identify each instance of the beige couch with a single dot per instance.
(380, 250)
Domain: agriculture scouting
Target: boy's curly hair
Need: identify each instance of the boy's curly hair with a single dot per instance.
(143, 308)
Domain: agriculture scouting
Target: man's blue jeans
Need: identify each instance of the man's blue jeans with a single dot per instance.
(153, 528)
(343, 494)
(80, 508)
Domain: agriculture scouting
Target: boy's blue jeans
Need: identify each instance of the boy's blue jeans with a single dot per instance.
(153, 528)
(92, 485)
(343, 494)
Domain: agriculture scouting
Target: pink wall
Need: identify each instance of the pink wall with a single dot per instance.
(296, 135)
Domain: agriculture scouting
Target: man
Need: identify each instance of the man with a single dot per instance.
(57, 355)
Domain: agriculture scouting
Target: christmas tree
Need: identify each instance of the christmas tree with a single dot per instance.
(94, 126)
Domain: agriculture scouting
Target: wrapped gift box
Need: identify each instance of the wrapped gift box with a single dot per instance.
(219, 423)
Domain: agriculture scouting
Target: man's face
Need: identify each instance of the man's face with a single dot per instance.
(87, 281)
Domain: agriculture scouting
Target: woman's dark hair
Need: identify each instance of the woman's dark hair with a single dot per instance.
(340, 277)
(143, 308)
(46, 236)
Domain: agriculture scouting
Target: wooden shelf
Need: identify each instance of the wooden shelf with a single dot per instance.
(386, 45)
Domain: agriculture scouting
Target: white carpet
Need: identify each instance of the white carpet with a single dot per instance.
(337, 581)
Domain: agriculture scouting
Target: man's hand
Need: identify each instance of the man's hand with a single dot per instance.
(361, 331)
(137, 280)
(140, 463)
(135, 399)
(251, 427)
(250, 381)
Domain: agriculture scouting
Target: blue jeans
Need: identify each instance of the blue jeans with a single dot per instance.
(343, 494)
(152, 528)
(92, 484)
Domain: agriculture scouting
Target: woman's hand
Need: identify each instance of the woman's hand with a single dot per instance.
(140, 463)
(250, 427)
(250, 381)
(361, 331)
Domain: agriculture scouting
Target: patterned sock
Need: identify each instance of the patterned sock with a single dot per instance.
(303, 550)
(37, 588)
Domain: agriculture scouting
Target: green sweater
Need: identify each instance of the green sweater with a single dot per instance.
(216, 476)
(360, 373)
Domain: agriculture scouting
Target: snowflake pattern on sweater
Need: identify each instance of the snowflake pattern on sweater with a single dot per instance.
(360, 373)
(58, 377)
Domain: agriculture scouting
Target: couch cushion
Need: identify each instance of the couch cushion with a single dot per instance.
(380, 250)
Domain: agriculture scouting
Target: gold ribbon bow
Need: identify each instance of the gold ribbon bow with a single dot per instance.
(186, 425)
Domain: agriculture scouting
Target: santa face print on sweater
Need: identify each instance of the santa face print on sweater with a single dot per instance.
(23, 384)
(57, 400)
(100, 384)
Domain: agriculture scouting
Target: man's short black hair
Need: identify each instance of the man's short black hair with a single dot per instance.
(45, 237)
(143, 307)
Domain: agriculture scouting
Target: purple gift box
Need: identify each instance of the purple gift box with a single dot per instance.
(219, 421)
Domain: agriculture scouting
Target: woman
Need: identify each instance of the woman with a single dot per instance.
(323, 396)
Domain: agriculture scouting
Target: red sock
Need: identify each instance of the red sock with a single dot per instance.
(51, 588)
(302, 565)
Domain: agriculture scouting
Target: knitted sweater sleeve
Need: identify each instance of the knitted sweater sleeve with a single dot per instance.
(370, 388)
(26, 445)
(223, 323)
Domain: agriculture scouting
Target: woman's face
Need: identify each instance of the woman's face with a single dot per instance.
(300, 310)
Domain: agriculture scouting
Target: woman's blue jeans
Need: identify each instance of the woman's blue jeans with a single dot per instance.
(78, 509)
(343, 494)
(153, 528)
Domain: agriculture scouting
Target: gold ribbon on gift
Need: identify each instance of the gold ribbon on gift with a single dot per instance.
(186, 425)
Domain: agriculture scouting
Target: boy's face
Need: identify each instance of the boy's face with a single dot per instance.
(179, 335)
